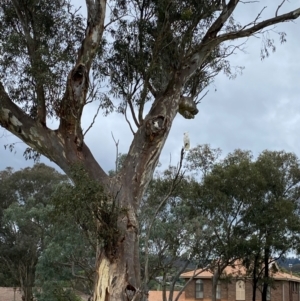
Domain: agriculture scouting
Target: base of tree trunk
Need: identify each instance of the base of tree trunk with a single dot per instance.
(111, 283)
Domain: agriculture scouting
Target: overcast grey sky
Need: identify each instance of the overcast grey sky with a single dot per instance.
(258, 110)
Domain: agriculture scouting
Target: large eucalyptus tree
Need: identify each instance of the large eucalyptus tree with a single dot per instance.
(161, 52)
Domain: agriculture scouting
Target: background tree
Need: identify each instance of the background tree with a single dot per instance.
(52, 63)
(66, 265)
(224, 193)
(273, 217)
(221, 213)
(173, 237)
(24, 221)
(253, 206)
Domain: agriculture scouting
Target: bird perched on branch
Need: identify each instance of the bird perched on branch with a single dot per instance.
(186, 141)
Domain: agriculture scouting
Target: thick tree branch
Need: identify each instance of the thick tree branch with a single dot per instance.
(94, 31)
(208, 42)
(72, 104)
(74, 100)
(218, 24)
(47, 142)
(259, 26)
(13, 119)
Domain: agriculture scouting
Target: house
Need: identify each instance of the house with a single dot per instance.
(235, 285)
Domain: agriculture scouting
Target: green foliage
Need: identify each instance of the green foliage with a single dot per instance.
(93, 210)
(45, 61)
(156, 41)
(253, 206)
(136, 52)
(24, 221)
(56, 292)
(68, 260)
(202, 158)
(50, 249)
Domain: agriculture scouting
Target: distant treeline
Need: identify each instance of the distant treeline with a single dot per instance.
(286, 261)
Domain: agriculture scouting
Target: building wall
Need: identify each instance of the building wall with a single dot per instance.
(293, 290)
(190, 290)
(280, 291)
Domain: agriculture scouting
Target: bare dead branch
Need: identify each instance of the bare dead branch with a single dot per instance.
(175, 182)
(279, 6)
(117, 151)
(114, 20)
(94, 119)
(92, 93)
(198, 101)
(254, 22)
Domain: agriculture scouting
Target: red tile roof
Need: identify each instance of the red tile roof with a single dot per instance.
(235, 270)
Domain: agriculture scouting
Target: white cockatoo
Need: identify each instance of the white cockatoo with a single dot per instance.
(156, 125)
(186, 141)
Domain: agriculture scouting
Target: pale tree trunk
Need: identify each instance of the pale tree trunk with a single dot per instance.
(117, 266)
(118, 269)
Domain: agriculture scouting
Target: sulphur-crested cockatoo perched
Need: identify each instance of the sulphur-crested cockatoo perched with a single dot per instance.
(186, 141)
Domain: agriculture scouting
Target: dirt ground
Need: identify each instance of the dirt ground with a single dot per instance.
(7, 294)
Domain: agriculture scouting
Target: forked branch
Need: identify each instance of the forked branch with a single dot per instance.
(292, 15)
(212, 39)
